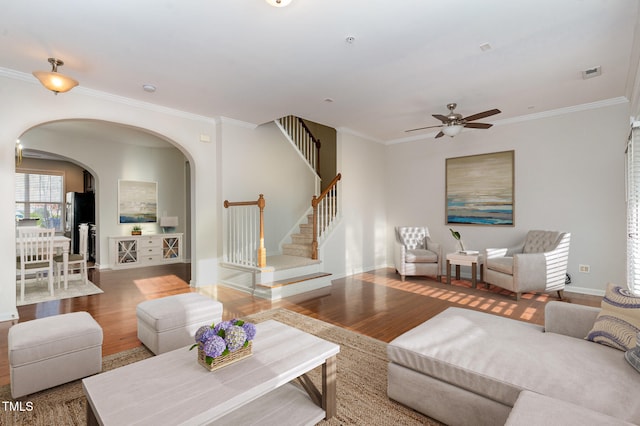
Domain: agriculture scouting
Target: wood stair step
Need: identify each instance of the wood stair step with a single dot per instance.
(295, 280)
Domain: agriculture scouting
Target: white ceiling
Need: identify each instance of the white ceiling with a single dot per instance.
(246, 60)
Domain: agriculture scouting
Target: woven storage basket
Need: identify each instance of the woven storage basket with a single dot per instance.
(221, 361)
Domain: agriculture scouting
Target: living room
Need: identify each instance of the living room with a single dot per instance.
(569, 163)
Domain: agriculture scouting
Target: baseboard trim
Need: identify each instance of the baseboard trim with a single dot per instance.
(584, 290)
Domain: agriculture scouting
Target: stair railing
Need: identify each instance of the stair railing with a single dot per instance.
(245, 233)
(303, 139)
(325, 211)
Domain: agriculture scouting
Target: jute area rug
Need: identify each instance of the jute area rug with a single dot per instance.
(36, 292)
(362, 382)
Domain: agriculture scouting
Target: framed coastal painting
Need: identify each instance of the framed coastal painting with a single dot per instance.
(480, 189)
(137, 201)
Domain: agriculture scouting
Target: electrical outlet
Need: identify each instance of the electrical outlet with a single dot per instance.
(584, 268)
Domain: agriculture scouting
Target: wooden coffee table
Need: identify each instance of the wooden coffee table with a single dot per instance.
(173, 389)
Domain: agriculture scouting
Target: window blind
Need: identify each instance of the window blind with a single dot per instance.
(633, 209)
(40, 195)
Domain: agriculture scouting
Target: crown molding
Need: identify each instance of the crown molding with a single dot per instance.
(348, 131)
(238, 123)
(17, 75)
(563, 111)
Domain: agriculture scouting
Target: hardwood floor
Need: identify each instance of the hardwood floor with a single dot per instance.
(376, 303)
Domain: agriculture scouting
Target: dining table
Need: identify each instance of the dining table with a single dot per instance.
(62, 245)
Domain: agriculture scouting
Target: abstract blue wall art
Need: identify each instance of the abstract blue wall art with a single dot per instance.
(137, 201)
(480, 189)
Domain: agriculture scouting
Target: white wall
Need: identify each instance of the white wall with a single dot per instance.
(569, 176)
(358, 243)
(25, 105)
(261, 161)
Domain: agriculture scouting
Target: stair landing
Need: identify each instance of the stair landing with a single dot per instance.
(282, 261)
(284, 276)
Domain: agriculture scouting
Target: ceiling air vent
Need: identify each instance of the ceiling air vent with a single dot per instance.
(591, 72)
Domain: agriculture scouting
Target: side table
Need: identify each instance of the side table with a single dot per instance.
(462, 259)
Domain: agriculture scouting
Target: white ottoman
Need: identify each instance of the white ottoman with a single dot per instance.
(50, 351)
(170, 322)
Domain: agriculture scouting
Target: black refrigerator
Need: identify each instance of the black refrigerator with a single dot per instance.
(80, 208)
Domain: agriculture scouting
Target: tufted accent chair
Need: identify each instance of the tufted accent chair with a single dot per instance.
(538, 264)
(415, 253)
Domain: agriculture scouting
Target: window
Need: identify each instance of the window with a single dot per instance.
(40, 195)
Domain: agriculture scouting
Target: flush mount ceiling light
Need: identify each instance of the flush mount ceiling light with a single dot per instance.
(278, 3)
(53, 80)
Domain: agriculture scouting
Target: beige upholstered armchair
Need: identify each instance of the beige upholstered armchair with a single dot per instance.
(539, 264)
(415, 253)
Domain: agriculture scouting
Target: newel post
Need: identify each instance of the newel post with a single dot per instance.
(314, 243)
(262, 253)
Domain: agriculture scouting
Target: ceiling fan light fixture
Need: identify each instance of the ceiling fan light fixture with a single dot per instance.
(452, 129)
(53, 80)
(278, 3)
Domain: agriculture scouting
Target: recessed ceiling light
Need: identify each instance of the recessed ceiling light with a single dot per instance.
(485, 46)
(149, 88)
(278, 3)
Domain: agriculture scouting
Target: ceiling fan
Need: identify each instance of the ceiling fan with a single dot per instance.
(453, 123)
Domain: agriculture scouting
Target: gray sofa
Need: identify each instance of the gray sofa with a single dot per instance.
(464, 367)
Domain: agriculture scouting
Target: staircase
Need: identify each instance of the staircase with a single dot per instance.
(296, 273)
(301, 242)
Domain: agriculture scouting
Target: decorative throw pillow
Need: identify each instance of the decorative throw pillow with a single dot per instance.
(618, 322)
(633, 355)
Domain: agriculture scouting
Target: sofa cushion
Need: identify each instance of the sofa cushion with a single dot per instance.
(501, 264)
(498, 357)
(532, 409)
(420, 256)
(618, 322)
(633, 357)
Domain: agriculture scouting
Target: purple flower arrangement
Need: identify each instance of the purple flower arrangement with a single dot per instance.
(223, 338)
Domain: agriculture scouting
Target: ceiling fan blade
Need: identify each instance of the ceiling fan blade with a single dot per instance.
(439, 135)
(478, 125)
(484, 114)
(441, 117)
(422, 128)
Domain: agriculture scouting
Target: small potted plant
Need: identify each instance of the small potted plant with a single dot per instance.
(136, 230)
(457, 236)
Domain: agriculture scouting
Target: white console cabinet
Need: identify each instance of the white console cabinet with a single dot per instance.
(136, 251)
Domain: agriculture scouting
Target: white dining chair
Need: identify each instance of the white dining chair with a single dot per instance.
(36, 254)
(76, 260)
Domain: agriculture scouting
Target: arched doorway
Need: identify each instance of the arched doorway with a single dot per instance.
(110, 152)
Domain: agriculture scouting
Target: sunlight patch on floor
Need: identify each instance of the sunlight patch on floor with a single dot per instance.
(505, 308)
(149, 285)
